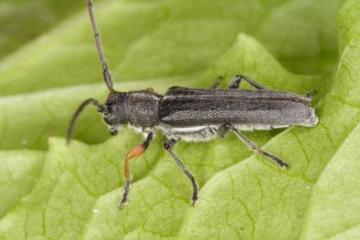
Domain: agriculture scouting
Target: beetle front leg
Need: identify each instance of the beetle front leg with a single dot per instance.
(169, 145)
(235, 83)
(137, 151)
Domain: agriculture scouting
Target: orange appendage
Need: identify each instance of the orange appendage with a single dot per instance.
(133, 153)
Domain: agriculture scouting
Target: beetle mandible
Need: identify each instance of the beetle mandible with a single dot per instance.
(189, 114)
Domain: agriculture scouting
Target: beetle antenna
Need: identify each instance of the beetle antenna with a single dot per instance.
(77, 113)
(106, 71)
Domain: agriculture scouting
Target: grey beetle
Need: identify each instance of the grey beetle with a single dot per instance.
(189, 114)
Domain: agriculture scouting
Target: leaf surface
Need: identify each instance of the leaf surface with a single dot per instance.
(73, 192)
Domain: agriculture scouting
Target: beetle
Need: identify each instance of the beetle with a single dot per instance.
(188, 114)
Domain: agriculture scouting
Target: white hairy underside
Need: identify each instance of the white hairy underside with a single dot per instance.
(190, 134)
(206, 133)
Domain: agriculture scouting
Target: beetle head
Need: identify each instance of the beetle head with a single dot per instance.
(113, 111)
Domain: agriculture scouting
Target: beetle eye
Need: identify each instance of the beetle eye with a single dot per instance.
(108, 110)
(108, 107)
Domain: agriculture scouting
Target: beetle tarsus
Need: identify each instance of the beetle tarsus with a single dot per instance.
(125, 195)
(277, 160)
(195, 193)
(258, 150)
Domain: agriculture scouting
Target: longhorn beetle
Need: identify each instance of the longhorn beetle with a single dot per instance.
(195, 114)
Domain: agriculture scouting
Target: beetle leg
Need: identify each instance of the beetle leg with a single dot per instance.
(235, 82)
(137, 151)
(217, 82)
(169, 145)
(310, 93)
(149, 89)
(222, 131)
(258, 150)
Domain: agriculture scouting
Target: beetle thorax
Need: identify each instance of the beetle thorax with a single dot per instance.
(139, 109)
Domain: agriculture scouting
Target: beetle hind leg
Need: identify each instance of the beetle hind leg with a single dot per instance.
(236, 81)
(252, 145)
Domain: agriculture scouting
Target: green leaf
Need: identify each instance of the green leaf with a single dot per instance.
(18, 174)
(331, 211)
(73, 192)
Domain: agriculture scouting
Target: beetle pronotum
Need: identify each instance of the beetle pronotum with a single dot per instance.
(195, 114)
